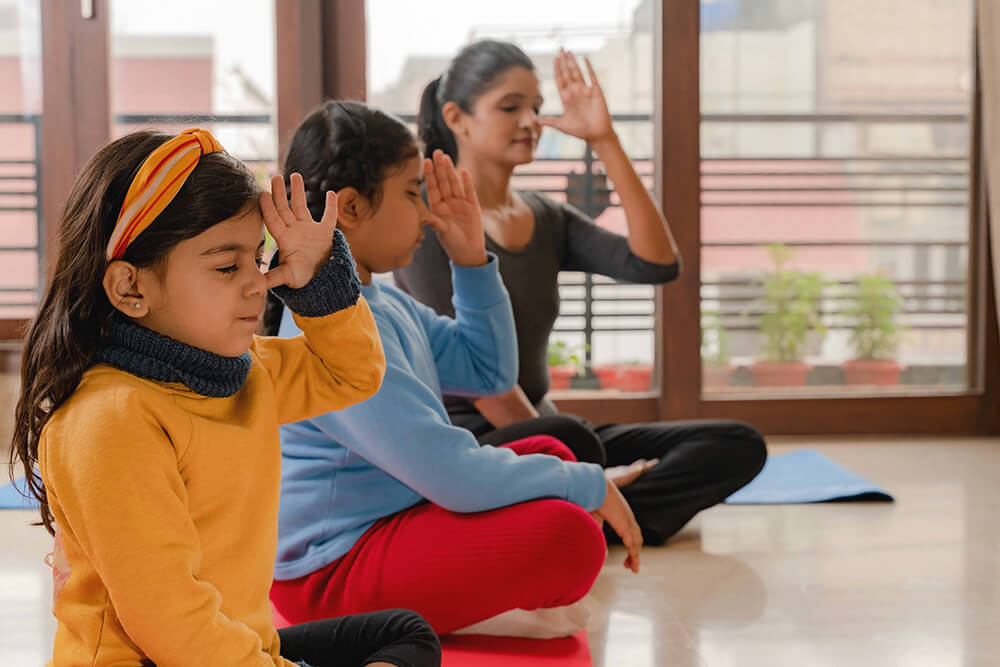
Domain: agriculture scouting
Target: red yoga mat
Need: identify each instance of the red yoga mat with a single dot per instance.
(486, 651)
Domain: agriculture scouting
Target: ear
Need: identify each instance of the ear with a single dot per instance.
(352, 208)
(454, 118)
(121, 285)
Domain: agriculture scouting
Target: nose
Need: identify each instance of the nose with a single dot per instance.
(256, 284)
(529, 119)
(423, 212)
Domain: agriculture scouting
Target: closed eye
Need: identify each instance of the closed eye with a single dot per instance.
(229, 269)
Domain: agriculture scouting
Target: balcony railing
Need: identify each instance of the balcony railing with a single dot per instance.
(596, 306)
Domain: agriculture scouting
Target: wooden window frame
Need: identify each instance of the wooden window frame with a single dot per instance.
(320, 52)
(970, 412)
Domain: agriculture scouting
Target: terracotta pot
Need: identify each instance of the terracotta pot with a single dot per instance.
(610, 375)
(636, 378)
(559, 376)
(872, 371)
(780, 373)
(715, 376)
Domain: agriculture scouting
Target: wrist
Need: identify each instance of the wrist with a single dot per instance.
(608, 140)
(471, 260)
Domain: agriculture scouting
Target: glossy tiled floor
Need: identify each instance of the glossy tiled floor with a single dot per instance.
(911, 584)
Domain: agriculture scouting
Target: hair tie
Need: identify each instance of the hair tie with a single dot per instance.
(157, 183)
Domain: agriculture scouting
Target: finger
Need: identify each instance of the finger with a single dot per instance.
(470, 189)
(457, 191)
(437, 224)
(633, 546)
(299, 208)
(650, 465)
(440, 166)
(430, 182)
(559, 68)
(329, 210)
(594, 83)
(280, 199)
(573, 70)
(279, 275)
(275, 225)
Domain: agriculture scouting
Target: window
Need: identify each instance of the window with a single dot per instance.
(20, 172)
(605, 335)
(835, 144)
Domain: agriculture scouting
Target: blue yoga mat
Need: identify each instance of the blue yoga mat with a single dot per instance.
(806, 476)
(11, 497)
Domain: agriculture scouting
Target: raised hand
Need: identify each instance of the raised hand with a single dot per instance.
(585, 111)
(304, 244)
(455, 214)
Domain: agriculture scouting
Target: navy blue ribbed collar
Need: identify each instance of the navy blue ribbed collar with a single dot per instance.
(147, 354)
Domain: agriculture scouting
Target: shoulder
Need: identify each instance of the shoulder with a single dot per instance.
(108, 403)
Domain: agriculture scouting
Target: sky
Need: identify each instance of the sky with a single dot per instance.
(398, 28)
(244, 29)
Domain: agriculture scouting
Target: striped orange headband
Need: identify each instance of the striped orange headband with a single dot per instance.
(160, 177)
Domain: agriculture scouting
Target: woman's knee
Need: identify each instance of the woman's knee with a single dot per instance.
(746, 448)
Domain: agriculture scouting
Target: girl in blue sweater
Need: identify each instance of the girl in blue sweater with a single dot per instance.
(386, 504)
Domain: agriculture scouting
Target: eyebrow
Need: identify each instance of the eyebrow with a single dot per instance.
(521, 96)
(230, 247)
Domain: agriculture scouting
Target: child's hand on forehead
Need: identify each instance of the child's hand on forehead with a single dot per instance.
(304, 244)
(455, 214)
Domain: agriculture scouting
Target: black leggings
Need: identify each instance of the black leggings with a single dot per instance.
(397, 636)
(702, 462)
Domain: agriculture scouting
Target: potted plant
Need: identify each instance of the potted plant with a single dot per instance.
(715, 366)
(563, 364)
(875, 336)
(609, 375)
(635, 376)
(791, 311)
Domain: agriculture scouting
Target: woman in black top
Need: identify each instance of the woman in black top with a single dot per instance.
(484, 113)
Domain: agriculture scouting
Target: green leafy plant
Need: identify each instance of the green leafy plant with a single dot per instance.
(714, 342)
(791, 308)
(561, 354)
(875, 308)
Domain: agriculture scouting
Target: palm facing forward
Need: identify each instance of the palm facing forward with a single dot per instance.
(455, 214)
(585, 111)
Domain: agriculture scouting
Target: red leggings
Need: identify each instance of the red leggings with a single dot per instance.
(458, 569)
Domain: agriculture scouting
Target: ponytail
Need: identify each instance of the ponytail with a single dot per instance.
(434, 132)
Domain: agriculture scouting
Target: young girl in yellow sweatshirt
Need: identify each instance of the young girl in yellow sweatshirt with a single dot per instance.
(148, 424)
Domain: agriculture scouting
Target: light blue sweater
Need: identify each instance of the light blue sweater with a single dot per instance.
(345, 470)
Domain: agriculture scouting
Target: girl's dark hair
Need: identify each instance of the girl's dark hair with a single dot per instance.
(471, 73)
(74, 316)
(343, 144)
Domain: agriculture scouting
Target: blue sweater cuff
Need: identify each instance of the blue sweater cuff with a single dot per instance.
(587, 485)
(334, 287)
(478, 286)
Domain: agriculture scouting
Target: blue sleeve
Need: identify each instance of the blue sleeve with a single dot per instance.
(476, 352)
(403, 430)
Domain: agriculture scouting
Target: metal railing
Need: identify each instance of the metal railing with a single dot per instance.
(21, 186)
(595, 305)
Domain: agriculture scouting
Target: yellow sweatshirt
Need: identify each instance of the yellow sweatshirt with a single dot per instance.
(166, 501)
